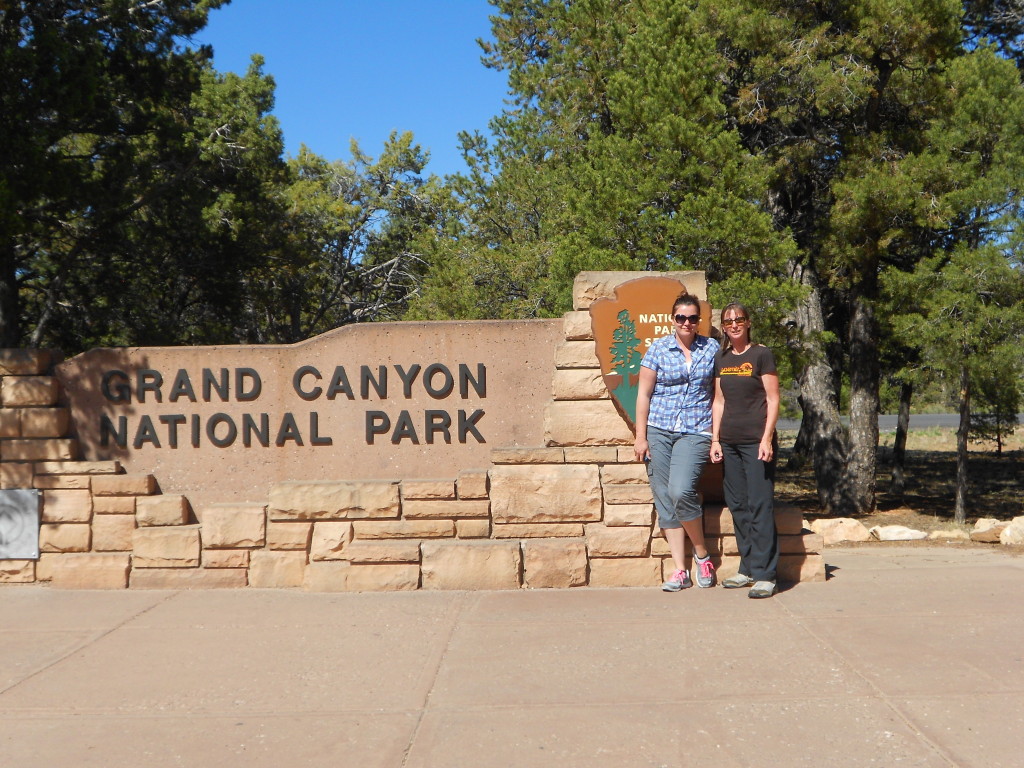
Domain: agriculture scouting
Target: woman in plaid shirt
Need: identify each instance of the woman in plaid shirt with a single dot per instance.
(673, 435)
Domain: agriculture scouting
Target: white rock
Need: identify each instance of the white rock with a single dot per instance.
(835, 530)
(896, 533)
(984, 523)
(1013, 533)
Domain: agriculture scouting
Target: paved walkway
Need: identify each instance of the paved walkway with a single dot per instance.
(907, 656)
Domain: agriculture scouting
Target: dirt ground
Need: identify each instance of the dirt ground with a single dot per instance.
(996, 482)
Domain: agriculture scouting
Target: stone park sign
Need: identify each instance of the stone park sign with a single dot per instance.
(402, 400)
(452, 455)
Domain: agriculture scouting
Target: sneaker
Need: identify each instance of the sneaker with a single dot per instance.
(705, 572)
(737, 581)
(762, 589)
(680, 580)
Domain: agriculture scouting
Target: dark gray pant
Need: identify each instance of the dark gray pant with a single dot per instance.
(749, 488)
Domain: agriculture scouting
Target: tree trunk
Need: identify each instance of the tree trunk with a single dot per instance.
(960, 510)
(821, 408)
(862, 460)
(899, 448)
(802, 444)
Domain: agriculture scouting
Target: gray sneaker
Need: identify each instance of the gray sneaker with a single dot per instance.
(737, 581)
(762, 589)
(704, 571)
(679, 580)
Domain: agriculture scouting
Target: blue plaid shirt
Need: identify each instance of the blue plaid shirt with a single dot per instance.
(681, 400)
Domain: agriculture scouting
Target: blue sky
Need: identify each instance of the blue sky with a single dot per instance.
(363, 68)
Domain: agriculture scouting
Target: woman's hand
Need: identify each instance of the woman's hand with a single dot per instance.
(715, 452)
(641, 449)
(765, 450)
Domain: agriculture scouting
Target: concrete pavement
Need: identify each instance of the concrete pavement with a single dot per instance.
(907, 656)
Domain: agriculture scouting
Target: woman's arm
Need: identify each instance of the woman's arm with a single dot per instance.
(771, 393)
(717, 409)
(648, 377)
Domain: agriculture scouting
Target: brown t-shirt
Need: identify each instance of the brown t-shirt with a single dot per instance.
(746, 407)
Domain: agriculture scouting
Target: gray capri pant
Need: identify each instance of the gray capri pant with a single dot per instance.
(677, 460)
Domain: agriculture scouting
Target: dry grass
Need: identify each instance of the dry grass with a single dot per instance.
(996, 482)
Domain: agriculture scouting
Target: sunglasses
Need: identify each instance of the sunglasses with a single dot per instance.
(687, 319)
(734, 321)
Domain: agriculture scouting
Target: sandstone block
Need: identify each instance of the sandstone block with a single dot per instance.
(403, 529)
(591, 454)
(60, 482)
(24, 362)
(113, 505)
(166, 547)
(576, 326)
(289, 536)
(588, 287)
(576, 354)
(22, 391)
(625, 454)
(578, 384)
(349, 577)
(473, 529)
(527, 456)
(628, 494)
(329, 540)
(334, 500)
(554, 564)
(64, 537)
(545, 493)
(625, 571)
(717, 519)
(44, 422)
(801, 568)
(987, 530)
(77, 467)
(91, 571)
(38, 449)
(470, 565)
(788, 519)
(801, 543)
(225, 558)
(16, 476)
(628, 514)
(536, 530)
(428, 489)
(585, 422)
(123, 485)
(634, 473)
(233, 526)
(113, 533)
(603, 541)
(10, 422)
(375, 551)
(17, 571)
(187, 578)
(415, 510)
(896, 533)
(74, 506)
(725, 566)
(45, 564)
(713, 543)
(1013, 534)
(167, 509)
(271, 570)
(472, 484)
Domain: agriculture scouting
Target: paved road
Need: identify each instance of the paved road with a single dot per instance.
(887, 423)
(905, 656)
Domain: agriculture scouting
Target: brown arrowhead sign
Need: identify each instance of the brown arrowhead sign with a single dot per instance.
(625, 326)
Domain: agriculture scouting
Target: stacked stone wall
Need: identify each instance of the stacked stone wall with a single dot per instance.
(576, 511)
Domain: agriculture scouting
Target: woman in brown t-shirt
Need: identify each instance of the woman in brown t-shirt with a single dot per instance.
(744, 414)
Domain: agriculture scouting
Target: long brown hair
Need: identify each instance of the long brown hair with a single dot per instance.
(736, 307)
